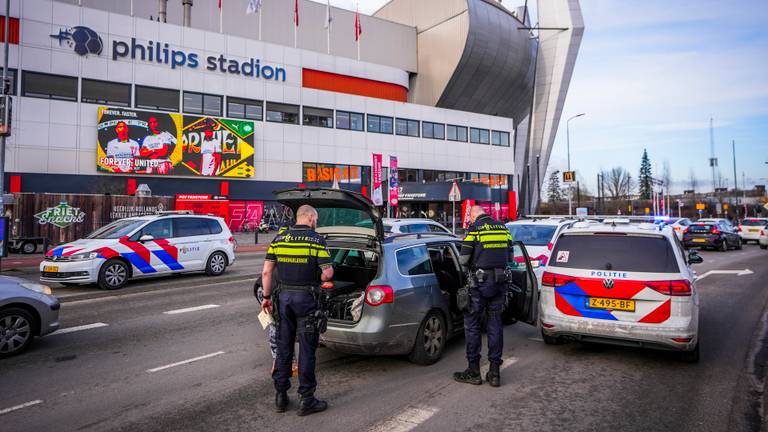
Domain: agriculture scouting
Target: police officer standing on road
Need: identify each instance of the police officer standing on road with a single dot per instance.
(303, 263)
(485, 253)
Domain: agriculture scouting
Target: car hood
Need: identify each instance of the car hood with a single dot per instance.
(331, 204)
(80, 246)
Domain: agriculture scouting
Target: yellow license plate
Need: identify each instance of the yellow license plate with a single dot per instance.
(51, 269)
(699, 240)
(612, 304)
(753, 230)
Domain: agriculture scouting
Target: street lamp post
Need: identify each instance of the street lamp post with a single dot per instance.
(568, 147)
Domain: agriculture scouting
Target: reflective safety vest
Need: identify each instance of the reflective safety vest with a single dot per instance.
(488, 242)
(299, 254)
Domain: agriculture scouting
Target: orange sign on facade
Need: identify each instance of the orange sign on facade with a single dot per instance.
(327, 173)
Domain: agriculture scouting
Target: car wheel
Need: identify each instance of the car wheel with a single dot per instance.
(216, 265)
(113, 275)
(739, 245)
(28, 248)
(724, 246)
(16, 331)
(430, 340)
(691, 356)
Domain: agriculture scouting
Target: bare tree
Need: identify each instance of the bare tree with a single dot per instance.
(618, 182)
(693, 181)
(666, 175)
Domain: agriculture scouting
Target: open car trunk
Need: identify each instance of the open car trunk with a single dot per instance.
(354, 268)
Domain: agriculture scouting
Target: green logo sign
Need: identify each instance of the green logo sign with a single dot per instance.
(61, 216)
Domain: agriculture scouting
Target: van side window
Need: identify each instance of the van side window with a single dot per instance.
(414, 261)
(158, 229)
(214, 226)
(189, 227)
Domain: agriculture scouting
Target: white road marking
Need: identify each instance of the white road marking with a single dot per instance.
(18, 407)
(410, 418)
(744, 272)
(191, 309)
(79, 328)
(148, 293)
(183, 362)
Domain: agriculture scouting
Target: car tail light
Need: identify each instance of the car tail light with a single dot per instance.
(715, 230)
(685, 231)
(682, 340)
(377, 295)
(231, 239)
(739, 228)
(671, 288)
(555, 280)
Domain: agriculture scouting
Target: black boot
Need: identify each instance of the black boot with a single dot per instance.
(470, 376)
(493, 376)
(310, 405)
(281, 402)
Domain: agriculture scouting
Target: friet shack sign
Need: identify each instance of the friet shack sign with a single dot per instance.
(63, 215)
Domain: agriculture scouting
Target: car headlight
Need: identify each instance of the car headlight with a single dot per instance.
(44, 289)
(85, 256)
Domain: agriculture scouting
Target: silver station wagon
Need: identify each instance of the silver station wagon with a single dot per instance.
(396, 295)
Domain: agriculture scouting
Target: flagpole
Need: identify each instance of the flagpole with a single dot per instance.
(328, 25)
(259, 24)
(221, 16)
(131, 7)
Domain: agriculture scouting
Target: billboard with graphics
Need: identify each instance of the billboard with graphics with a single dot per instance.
(144, 142)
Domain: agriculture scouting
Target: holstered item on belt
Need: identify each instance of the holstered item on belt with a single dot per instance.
(320, 317)
(463, 293)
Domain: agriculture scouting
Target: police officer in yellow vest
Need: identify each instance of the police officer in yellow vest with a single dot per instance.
(303, 263)
(485, 253)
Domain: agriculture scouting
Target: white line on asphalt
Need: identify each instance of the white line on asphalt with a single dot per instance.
(18, 407)
(407, 420)
(183, 362)
(191, 309)
(150, 292)
(744, 272)
(79, 328)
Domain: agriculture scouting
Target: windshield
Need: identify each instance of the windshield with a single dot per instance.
(116, 229)
(532, 235)
(755, 222)
(615, 252)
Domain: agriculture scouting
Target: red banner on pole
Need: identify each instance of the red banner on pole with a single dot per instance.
(394, 184)
(512, 199)
(466, 207)
(377, 195)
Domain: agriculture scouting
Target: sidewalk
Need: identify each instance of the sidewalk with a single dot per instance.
(245, 244)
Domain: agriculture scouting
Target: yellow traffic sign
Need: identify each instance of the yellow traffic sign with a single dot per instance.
(569, 176)
(700, 206)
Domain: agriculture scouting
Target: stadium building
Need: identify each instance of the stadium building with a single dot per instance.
(188, 98)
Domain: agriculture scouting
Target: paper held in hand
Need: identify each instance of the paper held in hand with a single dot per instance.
(265, 319)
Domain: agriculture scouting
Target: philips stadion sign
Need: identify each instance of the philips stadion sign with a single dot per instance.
(84, 41)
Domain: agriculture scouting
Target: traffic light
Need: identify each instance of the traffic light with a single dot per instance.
(6, 115)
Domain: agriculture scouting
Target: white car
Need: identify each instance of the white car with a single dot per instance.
(621, 283)
(171, 242)
(538, 235)
(407, 226)
(749, 229)
(679, 225)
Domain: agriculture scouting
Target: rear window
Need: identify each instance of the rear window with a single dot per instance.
(754, 222)
(532, 235)
(414, 261)
(699, 229)
(615, 252)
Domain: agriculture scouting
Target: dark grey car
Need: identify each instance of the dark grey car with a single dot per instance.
(27, 310)
(396, 296)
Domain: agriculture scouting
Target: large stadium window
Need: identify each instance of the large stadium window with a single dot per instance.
(200, 103)
(156, 98)
(349, 120)
(499, 138)
(12, 73)
(457, 133)
(379, 124)
(47, 86)
(479, 136)
(432, 130)
(105, 92)
(282, 113)
(407, 127)
(319, 117)
(245, 108)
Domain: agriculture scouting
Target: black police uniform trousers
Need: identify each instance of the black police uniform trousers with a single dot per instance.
(487, 299)
(295, 307)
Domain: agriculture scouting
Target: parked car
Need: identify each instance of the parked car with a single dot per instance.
(166, 243)
(404, 226)
(27, 310)
(711, 235)
(624, 284)
(679, 225)
(538, 235)
(395, 295)
(749, 229)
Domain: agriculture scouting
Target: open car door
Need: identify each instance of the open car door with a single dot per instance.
(339, 211)
(524, 293)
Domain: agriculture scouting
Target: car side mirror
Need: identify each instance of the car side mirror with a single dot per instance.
(694, 257)
(146, 238)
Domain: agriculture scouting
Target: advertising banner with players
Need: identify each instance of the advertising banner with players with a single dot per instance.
(143, 142)
(377, 196)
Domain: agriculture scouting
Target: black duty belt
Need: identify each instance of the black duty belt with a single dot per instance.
(299, 288)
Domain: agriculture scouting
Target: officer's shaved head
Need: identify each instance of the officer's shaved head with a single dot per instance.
(475, 212)
(306, 215)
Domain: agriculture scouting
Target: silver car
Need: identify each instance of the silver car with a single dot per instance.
(26, 310)
(396, 295)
